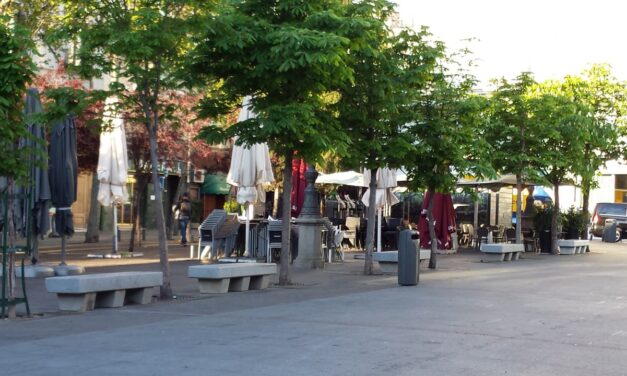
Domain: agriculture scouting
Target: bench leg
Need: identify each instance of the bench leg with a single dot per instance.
(507, 256)
(239, 284)
(77, 302)
(515, 256)
(259, 282)
(213, 286)
(492, 257)
(110, 299)
(139, 296)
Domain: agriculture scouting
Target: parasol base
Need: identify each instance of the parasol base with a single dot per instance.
(65, 270)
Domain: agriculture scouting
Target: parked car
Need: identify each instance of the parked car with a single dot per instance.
(610, 210)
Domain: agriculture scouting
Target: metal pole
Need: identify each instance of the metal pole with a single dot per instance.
(115, 228)
(5, 235)
(247, 240)
(379, 230)
(475, 219)
(62, 249)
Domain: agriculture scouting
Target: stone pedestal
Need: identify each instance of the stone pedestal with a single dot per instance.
(310, 226)
(309, 243)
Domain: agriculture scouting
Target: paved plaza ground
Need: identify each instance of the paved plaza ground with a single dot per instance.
(541, 315)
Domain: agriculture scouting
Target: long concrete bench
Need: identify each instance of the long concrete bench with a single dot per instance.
(572, 246)
(497, 252)
(388, 260)
(85, 292)
(221, 278)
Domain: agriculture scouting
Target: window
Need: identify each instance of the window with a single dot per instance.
(620, 188)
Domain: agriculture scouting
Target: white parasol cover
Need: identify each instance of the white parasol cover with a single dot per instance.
(112, 159)
(250, 166)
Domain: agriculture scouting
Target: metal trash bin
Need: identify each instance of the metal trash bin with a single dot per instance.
(609, 231)
(408, 259)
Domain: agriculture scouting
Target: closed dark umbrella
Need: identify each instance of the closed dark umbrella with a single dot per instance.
(62, 171)
(298, 185)
(444, 218)
(40, 195)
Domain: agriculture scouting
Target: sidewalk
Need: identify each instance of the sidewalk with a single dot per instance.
(543, 315)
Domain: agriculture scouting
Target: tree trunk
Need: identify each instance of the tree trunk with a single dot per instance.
(585, 193)
(433, 262)
(370, 229)
(555, 219)
(166, 288)
(136, 237)
(286, 216)
(518, 209)
(93, 222)
(12, 236)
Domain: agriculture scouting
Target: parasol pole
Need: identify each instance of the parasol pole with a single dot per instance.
(249, 210)
(379, 230)
(115, 228)
(62, 249)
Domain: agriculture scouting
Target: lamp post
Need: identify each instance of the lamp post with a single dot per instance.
(310, 227)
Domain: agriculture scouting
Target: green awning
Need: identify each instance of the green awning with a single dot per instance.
(215, 185)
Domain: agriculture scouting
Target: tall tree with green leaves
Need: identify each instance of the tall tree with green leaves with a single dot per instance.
(562, 123)
(389, 71)
(16, 72)
(289, 56)
(515, 143)
(447, 129)
(143, 45)
(605, 99)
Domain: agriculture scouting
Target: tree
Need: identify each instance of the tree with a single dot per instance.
(143, 45)
(176, 143)
(448, 133)
(288, 56)
(606, 101)
(16, 72)
(388, 71)
(515, 143)
(562, 125)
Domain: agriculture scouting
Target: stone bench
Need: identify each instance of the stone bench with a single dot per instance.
(572, 246)
(496, 252)
(221, 278)
(388, 260)
(85, 292)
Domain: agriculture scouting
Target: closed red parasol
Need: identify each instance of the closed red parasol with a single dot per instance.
(444, 218)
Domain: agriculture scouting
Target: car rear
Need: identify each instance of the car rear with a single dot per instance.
(609, 210)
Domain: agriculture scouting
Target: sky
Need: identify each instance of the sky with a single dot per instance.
(551, 38)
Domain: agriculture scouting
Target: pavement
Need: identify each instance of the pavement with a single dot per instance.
(541, 315)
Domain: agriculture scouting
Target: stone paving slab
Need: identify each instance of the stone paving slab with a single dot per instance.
(544, 315)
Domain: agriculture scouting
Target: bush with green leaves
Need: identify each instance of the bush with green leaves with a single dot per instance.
(574, 222)
(231, 206)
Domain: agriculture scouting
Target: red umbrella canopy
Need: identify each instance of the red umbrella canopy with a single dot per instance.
(444, 218)
(298, 185)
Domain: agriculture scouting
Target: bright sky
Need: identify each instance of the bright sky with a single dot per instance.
(551, 38)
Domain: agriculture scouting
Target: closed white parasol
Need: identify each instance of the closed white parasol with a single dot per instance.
(250, 169)
(112, 163)
(386, 181)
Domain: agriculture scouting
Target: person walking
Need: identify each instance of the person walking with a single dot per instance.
(183, 212)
